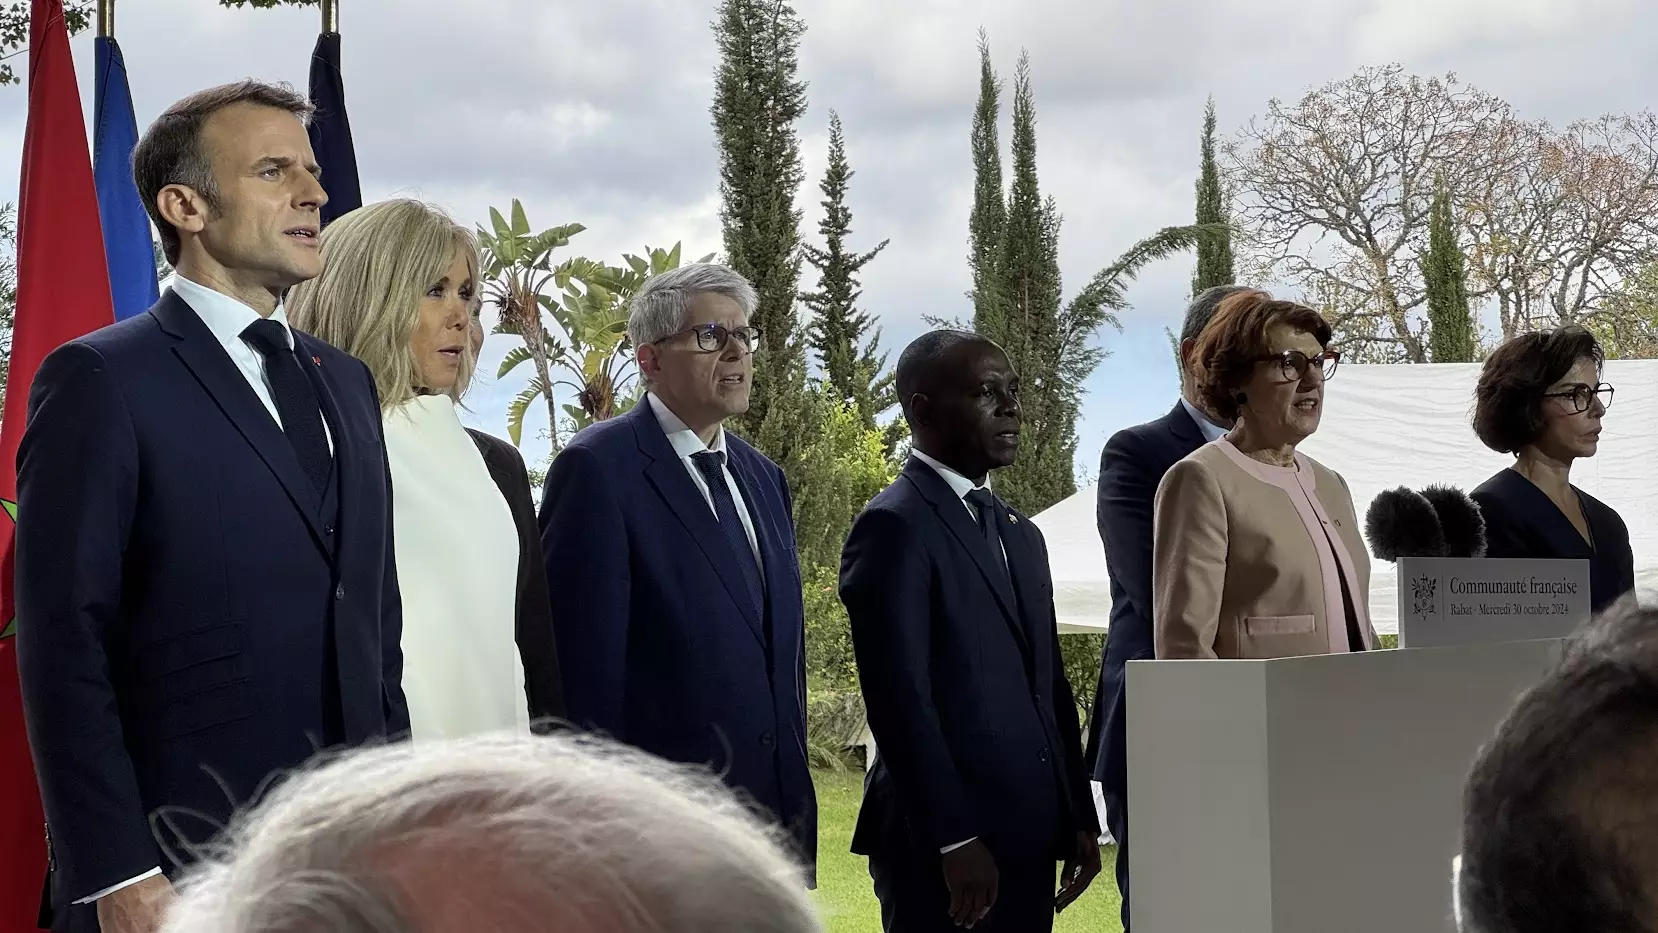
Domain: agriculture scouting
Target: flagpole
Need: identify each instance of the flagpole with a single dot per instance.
(106, 18)
(330, 16)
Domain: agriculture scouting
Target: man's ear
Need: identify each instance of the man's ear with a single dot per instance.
(921, 410)
(649, 360)
(182, 207)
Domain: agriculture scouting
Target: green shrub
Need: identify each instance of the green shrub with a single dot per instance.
(834, 723)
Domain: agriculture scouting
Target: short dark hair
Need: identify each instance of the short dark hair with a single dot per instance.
(1236, 339)
(1508, 401)
(1202, 309)
(170, 152)
(918, 363)
(1537, 857)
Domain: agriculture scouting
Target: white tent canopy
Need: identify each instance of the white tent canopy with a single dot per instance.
(1390, 426)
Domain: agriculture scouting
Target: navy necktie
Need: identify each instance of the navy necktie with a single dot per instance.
(710, 464)
(296, 400)
(985, 504)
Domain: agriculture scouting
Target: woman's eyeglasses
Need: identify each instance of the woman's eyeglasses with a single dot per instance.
(1295, 363)
(1583, 396)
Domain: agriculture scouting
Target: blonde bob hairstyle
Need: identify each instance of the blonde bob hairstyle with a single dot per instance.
(377, 263)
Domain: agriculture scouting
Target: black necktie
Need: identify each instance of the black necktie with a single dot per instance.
(985, 504)
(296, 400)
(710, 464)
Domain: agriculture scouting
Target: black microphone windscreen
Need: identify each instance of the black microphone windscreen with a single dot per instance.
(1459, 519)
(1401, 523)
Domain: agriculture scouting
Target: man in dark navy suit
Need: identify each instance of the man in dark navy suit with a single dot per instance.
(979, 785)
(1131, 466)
(206, 586)
(671, 560)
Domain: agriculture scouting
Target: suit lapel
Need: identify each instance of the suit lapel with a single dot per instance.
(667, 473)
(777, 558)
(322, 382)
(954, 514)
(202, 353)
(1028, 573)
(1185, 431)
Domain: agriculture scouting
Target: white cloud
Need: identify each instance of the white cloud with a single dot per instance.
(598, 113)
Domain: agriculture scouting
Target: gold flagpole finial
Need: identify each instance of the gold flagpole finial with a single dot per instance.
(106, 18)
(330, 16)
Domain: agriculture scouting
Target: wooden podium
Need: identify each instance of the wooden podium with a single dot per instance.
(1309, 795)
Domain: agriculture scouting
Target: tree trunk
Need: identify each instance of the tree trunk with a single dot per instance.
(535, 338)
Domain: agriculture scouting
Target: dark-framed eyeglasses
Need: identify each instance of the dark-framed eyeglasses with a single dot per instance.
(1295, 363)
(1582, 396)
(712, 338)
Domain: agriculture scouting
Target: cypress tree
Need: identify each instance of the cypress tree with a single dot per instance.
(1214, 254)
(1452, 335)
(845, 338)
(1026, 322)
(758, 100)
(984, 226)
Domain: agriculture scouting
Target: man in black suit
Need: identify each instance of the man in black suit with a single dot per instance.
(979, 784)
(1131, 466)
(207, 591)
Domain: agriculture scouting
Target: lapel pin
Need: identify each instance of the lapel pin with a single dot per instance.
(317, 360)
(1012, 519)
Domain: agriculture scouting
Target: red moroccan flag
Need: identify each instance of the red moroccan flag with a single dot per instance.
(62, 293)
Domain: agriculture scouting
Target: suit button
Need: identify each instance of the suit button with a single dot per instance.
(328, 529)
(767, 739)
(1042, 755)
(1037, 697)
(339, 591)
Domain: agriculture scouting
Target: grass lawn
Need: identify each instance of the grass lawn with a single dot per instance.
(848, 902)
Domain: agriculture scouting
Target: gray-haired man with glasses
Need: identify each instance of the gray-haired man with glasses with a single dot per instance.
(671, 560)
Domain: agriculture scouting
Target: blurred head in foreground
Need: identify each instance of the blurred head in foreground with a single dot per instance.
(498, 833)
(1560, 812)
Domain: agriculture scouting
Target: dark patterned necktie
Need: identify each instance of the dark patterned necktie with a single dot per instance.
(296, 400)
(710, 464)
(985, 504)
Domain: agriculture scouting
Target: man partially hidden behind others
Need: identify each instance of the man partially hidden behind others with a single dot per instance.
(207, 591)
(1131, 465)
(978, 786)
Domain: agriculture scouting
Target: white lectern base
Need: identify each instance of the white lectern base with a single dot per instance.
(1309, 795)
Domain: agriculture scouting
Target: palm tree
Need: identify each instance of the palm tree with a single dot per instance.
(1107, 293)
(590, 350)
(517, 270)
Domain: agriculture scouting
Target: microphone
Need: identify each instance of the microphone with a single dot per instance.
(1459, 519)
(1403, 523)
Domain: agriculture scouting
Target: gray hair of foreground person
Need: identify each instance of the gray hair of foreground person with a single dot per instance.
(498, 833)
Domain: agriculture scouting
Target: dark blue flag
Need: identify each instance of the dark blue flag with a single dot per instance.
(331, 131)
(127, 245)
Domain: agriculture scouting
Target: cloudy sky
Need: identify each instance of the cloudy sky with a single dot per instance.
(597, 112)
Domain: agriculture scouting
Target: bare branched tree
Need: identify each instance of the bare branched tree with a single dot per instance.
(1575, 214)
(1335, 190)
(1334, 195)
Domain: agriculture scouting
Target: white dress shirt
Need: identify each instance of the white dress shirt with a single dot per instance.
(961, 486)
(686, 443)
(1211, 431)
(226, 317)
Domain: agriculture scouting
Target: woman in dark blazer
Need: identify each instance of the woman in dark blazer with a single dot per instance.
(399, 290)
(1540, 398)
